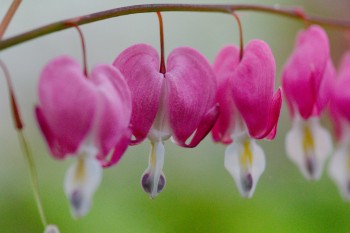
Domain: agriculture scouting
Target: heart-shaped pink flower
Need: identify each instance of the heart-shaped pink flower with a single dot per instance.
(178, 103)
(306, 80)
(85, 116)
(249, 109)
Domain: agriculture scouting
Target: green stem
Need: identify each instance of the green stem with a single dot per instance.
(293, 12)
(33, 175)
(18, 123)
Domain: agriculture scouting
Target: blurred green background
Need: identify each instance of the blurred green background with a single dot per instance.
(200, 195)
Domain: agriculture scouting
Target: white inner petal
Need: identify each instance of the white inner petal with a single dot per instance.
(153, 179)
(81, 182)
(160, 129)
(339, 169)
(245, 161)
(51, 229)
(308, 145)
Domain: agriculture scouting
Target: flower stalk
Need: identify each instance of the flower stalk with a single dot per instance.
(241, 42)
(162, 68)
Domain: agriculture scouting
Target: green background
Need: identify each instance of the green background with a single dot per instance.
(200, 195)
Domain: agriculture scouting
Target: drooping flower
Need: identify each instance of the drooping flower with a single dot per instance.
(339, 167)
(178, 103)
(249, 110)
(85, 117)
(306, 81)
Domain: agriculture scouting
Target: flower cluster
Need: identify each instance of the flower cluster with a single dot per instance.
(95, 117)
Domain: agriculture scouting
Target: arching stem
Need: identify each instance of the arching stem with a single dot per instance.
(161, 37)
(147, 8)
(82, 41)
(241, 42)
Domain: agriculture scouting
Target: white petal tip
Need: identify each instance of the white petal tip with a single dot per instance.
(339, 170)
(308, 145)
(51, 229)
(149, 185)
(79, 204)
(246, 163)
(82, 180)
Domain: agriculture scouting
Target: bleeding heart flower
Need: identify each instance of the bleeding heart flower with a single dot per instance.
(339, 167)
(306, 79)
(178, 103)
(84, 117)
(249, 109)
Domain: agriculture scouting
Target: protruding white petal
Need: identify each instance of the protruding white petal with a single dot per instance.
(153, 179)
(308, 145)
(82, 180)
(51, 229)
(245, 161)
(339, 170)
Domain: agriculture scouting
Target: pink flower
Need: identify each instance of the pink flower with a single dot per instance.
(249, 109)
(84, 117)
(306, 79)
(177, 104)
(339, 167)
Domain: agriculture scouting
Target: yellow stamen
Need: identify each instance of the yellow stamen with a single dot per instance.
(247, 155)
(153, 155)
(348, 162)
(308, 141)
(80, 173)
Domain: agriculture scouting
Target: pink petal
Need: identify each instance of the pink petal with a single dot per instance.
(224, 65)
(66, 105)
(113, 107)
(274, 113)
(140, 66)
(191, 91)
(302, 75)
(203, 129)
(325, 88)
(55, 149)
(340, 96)
(252, 89)
(119, 150)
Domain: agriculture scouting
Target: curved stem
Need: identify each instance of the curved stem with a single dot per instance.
(241, 42)
(73, 24)
(302, 15)
(24, 145)
(8, 17)
(15, 112)
(161, 35)
(33, 175)
(61, 25)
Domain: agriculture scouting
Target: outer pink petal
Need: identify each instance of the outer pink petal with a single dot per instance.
(49, 136)
(274, 113)
(325, 88)
(340, 97)
(224, 65)
(253, 85)
(303, 72)
(203, 129)
(119, 150)
(191, 91)
(66, 105)
(113, 107)
(140, 66)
